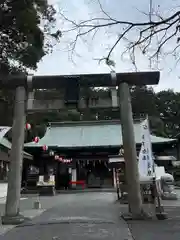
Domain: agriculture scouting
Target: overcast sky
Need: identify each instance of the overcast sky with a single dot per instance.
(88, 50)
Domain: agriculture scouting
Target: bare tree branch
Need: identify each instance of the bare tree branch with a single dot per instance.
(105, 13)
(159, 28)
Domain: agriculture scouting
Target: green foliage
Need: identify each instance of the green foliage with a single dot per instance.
(162, 109)
(168, 104)
(26, 35)
(157, 126)
(22, 41)
(143, 101)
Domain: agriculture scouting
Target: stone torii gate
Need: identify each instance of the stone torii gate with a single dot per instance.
(70, 86)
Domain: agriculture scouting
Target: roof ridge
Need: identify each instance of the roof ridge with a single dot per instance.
(95, 122)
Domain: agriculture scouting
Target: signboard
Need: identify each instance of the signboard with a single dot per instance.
(116, 159)
(146, 162)
(147, 192)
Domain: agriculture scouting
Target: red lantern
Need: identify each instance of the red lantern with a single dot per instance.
(66, 160)
(36, 139)
(28, 126)
(45, 147)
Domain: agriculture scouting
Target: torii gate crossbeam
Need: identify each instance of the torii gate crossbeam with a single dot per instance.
(24, 84)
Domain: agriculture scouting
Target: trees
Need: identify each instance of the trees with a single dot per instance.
(162, 109)
(24, 26)
(147, 97)
(149, 36)
(168, 103)
(26, 35)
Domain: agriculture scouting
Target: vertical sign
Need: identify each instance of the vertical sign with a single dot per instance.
(146, 163)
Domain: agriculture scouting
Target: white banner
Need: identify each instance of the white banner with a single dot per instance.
(146, 162)
(3, 131)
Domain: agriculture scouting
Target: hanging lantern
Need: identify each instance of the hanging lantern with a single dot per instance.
(36, 139)
(2, 164)
(51, 153)
(67, 160)
(121, 152)
(45, 148)
(28, 126)
(7, 168)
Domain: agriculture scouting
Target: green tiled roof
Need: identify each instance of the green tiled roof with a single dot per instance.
(89, 134)
(7, 144)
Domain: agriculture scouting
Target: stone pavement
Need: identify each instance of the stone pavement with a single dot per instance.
(76, 216)
(26, 208)
(3, 190)
(159, 229)
(92, 216)
(154, 229)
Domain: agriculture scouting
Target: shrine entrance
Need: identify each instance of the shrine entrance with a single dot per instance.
(95, 173)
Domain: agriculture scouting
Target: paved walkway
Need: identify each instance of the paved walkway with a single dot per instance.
(161, 230)
(157, 229)
(3, 190)
(91, 216)
(76, 216)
